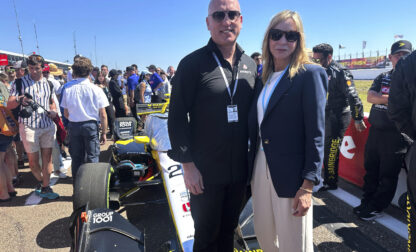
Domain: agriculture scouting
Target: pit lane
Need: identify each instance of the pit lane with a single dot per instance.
(44, 226)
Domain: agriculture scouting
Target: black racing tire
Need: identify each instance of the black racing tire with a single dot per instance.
(92, 186)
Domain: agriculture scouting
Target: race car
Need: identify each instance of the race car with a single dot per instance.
(138, 160)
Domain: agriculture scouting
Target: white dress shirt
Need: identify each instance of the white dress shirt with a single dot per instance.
(83, 100)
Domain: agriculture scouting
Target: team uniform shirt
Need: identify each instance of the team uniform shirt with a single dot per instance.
(378, 114)
(132, 82)
(83, 100)
(41, 93)
(198, 126)
(155, 80)
(342, 95)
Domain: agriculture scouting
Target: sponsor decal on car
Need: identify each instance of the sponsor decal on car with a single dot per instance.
(186, 207)
(174, 170)
(184, 196)
(102, 217)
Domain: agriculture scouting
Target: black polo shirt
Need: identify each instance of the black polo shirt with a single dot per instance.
(198, 126)
(378, 114)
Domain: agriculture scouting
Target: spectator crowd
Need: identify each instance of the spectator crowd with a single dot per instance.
(45, 102)
(295, 133)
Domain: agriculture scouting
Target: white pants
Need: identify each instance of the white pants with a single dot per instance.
(275, 226)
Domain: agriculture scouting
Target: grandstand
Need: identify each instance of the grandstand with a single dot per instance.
(13, 57)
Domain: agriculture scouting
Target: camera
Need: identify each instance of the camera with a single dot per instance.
(28, 109)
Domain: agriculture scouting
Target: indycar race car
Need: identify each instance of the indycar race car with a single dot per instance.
(138, 161)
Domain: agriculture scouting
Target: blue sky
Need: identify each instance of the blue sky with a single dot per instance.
(161, 32)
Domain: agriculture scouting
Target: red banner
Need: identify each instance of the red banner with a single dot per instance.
(351, 158)
(358, 63)
(3, 60)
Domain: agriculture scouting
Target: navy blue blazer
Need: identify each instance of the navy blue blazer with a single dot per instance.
(292, 131)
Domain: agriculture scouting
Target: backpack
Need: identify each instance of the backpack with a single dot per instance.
(8, 124)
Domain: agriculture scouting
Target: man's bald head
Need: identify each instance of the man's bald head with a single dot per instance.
(215, 4)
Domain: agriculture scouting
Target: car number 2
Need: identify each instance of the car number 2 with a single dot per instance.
(174, 170)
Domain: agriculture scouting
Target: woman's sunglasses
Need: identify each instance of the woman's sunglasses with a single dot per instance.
(291, 36)
(220, 15)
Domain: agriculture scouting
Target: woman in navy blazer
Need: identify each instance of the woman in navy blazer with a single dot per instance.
(286, 127)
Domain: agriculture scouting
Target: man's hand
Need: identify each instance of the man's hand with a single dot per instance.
(193, 178)
(360, 126)
(52, 114)
(24, 100)
(103, 138)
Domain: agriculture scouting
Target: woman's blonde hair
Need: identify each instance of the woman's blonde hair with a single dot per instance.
(299, 56)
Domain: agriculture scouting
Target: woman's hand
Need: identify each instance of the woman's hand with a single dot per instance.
(303, 199)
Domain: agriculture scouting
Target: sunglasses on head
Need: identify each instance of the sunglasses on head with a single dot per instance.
(220, 15)
(36, 58)
(291, 36)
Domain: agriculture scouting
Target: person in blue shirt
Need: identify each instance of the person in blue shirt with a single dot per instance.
(259, 62)
(132, 82)
(155, 81)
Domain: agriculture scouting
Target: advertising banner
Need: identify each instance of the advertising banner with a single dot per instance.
(3, 60)
(351, 158)
(360, 63)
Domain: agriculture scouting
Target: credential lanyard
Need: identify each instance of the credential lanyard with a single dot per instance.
(265, 102)
(225, 78)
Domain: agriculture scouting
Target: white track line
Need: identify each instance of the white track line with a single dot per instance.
(386, 220)
(34, 199)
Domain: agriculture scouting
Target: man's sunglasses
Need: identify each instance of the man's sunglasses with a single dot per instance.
(291, 36)
(220, 15)
(316, 60)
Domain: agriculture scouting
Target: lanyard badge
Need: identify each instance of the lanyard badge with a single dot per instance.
(232, 110)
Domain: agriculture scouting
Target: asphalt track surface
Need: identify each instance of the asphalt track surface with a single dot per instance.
(44, 226)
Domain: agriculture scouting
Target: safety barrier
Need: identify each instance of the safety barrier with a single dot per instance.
(351, 159)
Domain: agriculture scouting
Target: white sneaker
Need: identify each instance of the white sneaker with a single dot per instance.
(62, 175)
(54, 175)
(58, 174)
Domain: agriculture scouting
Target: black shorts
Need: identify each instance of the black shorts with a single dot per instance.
(5, 141)
(16, 138)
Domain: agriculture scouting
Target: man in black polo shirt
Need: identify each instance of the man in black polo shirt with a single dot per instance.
(212, 92)
(385, 147)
